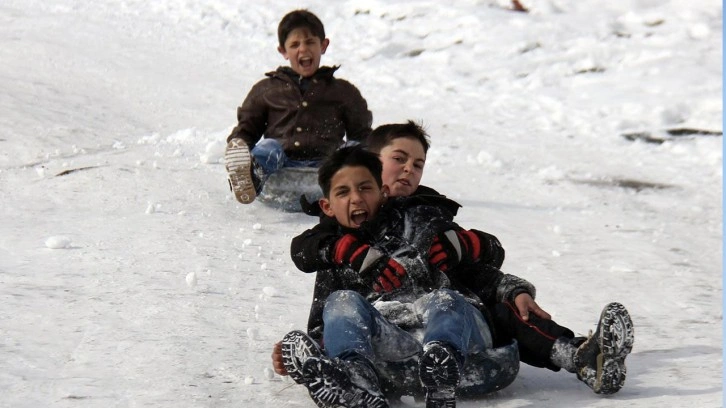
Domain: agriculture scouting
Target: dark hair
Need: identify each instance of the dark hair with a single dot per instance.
(384, 135)
(299, 19)
(348, 156)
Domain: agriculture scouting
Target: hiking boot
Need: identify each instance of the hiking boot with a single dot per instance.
(338, 383)
(439, 372)
(600, 360)
(297, 347)
(244, 174)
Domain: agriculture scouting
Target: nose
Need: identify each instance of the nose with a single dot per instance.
(356, 196)
(407, 167)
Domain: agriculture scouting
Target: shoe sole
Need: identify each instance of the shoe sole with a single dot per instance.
(616, 342)
(297, 347)
(439, 374)
(330, 387)
(238, 162)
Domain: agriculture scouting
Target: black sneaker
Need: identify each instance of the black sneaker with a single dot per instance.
(330, 386)
(297, 347)
(244, 175)
(600, 360)
(439, 373)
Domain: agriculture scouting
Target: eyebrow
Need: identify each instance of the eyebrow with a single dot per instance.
(408, 155)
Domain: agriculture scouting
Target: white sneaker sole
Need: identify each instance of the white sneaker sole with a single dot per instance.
(238, 162)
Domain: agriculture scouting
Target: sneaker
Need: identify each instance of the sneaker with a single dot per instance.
(439, 373)
(244, 175)
(600, 360)
(331, 384)
(297, 347)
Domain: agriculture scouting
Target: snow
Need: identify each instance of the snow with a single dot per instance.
(130, 277)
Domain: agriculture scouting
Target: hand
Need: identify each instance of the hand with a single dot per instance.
(450, 247)
(525, 304)
(348, 250)
(384, 272)
(277, 364)
(389, 276)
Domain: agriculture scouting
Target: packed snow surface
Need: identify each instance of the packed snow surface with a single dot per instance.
(130, 277)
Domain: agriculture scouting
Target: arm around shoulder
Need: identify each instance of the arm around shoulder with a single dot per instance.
(310, 251)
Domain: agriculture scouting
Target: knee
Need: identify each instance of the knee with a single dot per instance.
(447, 297)
(268, 144)
(344, 302)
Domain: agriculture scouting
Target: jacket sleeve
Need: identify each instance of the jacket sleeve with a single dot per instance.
(492, 252)
(310, 251)
(251, 116)
(491, 284)
(358, 119)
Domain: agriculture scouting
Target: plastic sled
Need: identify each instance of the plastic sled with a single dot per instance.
(283, 189)
(483, 374)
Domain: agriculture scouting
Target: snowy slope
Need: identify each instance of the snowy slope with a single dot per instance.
(135, 279)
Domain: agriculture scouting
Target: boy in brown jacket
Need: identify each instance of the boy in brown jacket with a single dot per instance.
(302, 111)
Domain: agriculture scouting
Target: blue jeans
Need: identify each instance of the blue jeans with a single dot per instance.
(354, 326)
(269, 154)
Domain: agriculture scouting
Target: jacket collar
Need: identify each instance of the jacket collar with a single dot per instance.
(324, 73)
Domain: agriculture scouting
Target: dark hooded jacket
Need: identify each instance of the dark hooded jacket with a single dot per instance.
(404, 229)
(308, 116)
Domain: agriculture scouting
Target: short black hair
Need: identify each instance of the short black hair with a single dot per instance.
(384, 135)
(299, 19)
(348, 156)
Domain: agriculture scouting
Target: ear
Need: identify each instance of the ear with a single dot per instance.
(325, 206)
(324, 45)
(385, 192)
(282, 51)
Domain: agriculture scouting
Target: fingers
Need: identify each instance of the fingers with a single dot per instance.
(277, 363)
(541, 313)
(389, 278)
(523, 311)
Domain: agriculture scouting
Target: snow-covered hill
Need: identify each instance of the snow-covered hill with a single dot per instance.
(129, 276)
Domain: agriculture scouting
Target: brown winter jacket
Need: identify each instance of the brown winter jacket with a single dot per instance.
(308, 124)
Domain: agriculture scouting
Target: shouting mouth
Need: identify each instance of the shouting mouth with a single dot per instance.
(305, 62)
(358, 217)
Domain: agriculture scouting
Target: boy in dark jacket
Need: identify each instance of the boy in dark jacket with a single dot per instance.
(380, 253)
(402, 149)
(403, 229)
(303, 111)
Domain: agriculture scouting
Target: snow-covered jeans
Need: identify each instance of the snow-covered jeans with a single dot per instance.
(270, 155)
(354, 326)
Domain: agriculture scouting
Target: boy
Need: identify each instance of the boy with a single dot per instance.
(598, 360)
(381, 257)
(402, 149)
(303, 111)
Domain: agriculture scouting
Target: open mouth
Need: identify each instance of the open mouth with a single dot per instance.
(405, 182)
(306, 62)
(358, 216)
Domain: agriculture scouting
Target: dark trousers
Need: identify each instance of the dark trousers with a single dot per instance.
(535, 336)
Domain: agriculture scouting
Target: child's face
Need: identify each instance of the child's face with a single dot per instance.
(403, 164)
(354, 196)
(303, 50)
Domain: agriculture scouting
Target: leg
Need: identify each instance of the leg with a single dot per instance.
(354, 331)
(269, 155)
(354, 326)
(449, 318)
(453, 329)
(535, 337)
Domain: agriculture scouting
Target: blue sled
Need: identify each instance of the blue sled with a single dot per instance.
(283, 189)
(483, 374)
